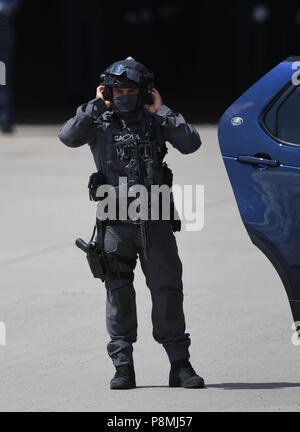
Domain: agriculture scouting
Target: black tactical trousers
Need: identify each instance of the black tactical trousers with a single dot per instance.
(163, 273)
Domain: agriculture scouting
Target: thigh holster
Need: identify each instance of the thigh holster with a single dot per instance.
(105, 265)
(113, 260)
(94, 256)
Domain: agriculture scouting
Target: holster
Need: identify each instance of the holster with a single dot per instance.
(96, 265)
(111, 261)
(105, 265)
(95, 258)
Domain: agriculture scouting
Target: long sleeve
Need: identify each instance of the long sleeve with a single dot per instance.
(80, 129)
(177, 131)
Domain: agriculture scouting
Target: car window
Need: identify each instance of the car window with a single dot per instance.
(282, 119)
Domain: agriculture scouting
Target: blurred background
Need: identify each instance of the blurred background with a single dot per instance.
(203, 57)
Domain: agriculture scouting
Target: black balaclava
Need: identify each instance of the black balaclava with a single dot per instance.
(126, 104)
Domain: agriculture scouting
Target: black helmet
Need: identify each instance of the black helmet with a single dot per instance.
(127, 73)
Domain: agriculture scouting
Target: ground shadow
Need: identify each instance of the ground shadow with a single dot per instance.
(152, 386)
(253, 386)
(238, 386)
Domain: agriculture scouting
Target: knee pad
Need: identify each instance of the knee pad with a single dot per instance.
(171, 301)
(121, 302)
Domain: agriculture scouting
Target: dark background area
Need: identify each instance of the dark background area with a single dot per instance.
(203, 54)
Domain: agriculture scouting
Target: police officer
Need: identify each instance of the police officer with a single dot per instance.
(126, 111)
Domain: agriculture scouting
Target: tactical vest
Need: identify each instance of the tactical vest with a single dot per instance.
(134, 150)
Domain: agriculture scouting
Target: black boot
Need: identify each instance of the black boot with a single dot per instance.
(124, 378)
(183, 375)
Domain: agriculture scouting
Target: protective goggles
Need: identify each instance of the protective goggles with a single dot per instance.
(131, 74)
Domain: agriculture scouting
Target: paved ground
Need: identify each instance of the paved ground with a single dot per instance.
(55, 358)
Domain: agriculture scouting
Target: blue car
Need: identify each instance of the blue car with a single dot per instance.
(259, 137)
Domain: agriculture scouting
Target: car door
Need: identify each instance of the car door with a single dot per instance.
(259, 137)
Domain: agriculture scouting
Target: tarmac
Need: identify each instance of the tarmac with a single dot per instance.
(55, 358)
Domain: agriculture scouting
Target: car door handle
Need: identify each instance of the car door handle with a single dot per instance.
(254, 160)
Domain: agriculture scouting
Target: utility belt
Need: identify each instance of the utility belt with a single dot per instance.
(98, 178)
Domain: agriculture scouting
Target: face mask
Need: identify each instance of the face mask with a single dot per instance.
(126, 103)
